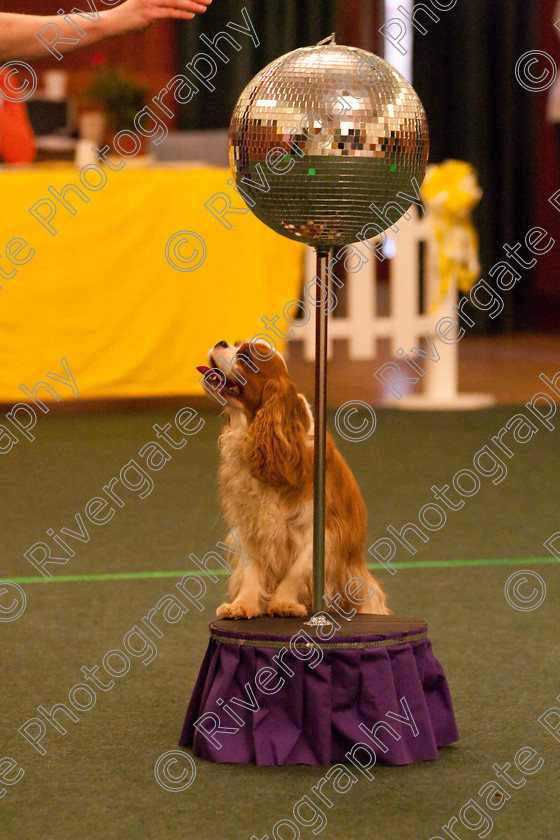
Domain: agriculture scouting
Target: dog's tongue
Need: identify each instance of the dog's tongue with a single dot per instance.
(203, 369)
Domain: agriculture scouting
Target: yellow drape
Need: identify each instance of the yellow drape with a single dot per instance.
(101, 293)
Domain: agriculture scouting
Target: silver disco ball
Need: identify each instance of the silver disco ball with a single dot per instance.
(319, 135)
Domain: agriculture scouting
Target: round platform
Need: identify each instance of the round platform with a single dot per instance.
(281, 691)
(358, 631)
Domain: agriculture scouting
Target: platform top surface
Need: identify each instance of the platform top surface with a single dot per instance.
(361, 630)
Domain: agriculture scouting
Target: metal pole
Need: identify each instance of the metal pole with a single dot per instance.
(321, 319)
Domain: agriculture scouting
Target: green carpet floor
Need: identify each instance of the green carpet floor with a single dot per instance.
(97, 781)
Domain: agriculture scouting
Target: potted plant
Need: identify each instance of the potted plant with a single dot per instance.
(120, 95)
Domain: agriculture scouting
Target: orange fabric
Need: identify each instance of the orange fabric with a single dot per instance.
(17, 141)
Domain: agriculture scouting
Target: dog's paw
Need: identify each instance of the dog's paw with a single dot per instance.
(237, 610)
(286, 609)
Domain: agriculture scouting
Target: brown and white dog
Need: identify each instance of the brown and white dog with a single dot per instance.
(266, 481)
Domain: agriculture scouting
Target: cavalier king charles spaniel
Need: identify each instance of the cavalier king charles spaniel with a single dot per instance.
(266, 481)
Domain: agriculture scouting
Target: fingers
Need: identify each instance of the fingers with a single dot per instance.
(173, 13)
(196, 6)
(136, 15)
(177, 9)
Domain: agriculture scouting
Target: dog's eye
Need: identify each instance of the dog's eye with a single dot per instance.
(242, 357)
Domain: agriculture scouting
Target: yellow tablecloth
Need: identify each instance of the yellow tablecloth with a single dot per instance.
(101, 293)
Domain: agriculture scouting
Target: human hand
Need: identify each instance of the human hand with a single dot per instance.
(135, 15)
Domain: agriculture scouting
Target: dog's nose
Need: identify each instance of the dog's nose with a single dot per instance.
(221, 344)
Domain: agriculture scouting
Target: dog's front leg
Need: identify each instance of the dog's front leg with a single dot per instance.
(246, 589)
(292, 596)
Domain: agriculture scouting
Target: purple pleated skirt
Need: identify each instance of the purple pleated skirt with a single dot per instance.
(275, 691)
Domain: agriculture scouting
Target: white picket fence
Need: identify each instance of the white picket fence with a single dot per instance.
(404, 324)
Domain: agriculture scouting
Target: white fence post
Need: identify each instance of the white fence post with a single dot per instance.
(405, 326)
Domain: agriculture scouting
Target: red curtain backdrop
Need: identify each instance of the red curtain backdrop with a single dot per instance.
(546, 174)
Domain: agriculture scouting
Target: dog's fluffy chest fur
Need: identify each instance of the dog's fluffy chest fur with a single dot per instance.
(262, 513)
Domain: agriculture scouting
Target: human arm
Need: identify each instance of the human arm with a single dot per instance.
(18, 32)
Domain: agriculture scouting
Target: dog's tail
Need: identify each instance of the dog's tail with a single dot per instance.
(377, 603)
(359, 590)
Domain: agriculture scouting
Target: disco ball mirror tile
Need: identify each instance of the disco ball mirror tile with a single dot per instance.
(319, 135)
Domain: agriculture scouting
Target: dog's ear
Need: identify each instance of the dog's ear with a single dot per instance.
(278, 445)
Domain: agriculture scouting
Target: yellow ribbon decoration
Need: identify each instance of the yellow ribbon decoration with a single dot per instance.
(451, 191)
